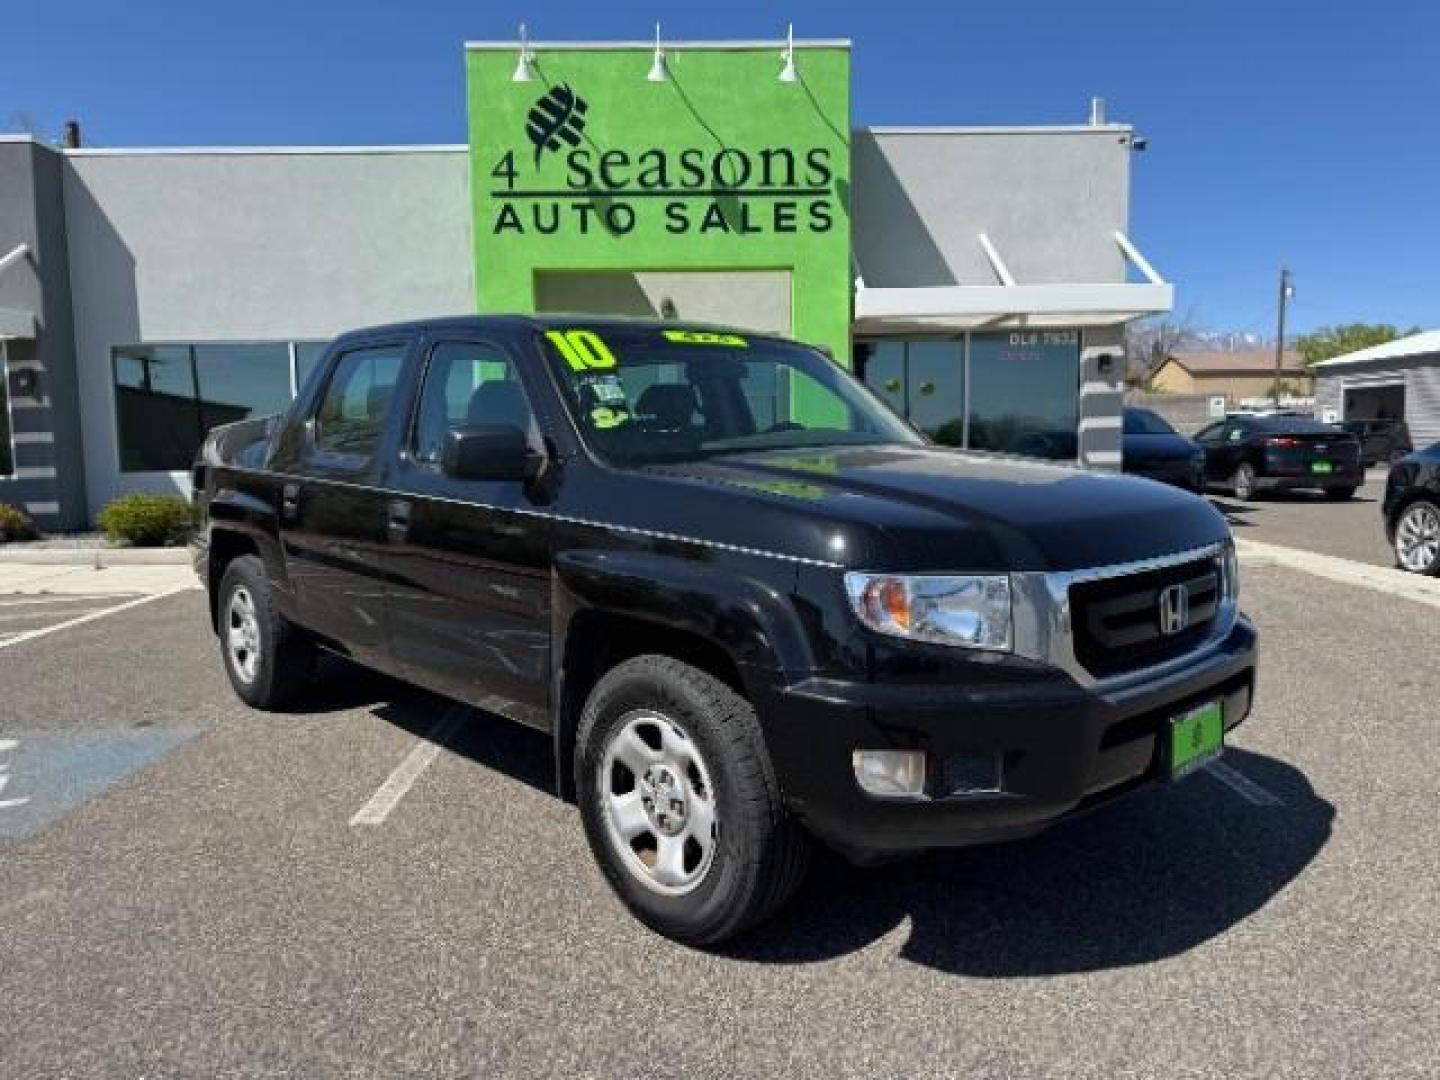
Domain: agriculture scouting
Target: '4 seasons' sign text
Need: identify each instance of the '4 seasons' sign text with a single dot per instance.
(773, 189)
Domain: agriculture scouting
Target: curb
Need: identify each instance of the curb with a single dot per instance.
(1381, 579)
(98, 558)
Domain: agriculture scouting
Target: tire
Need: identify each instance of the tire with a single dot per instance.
(1243, 483)
(268, 659)
(691, 736)
(1339, 494)
(1417, 538)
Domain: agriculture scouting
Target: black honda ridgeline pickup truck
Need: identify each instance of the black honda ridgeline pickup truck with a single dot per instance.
(751, 607)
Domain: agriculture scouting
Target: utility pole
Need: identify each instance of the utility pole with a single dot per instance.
(1287, 290)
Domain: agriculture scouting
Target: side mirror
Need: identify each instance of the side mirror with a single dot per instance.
(489, 452)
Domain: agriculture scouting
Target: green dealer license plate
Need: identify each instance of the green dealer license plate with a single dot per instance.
(1196, 739)
(1321, 467)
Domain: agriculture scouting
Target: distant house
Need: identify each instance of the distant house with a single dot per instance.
(1236, 375)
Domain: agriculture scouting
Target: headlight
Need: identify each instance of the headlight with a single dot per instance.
(1229, 572)
(972, 611)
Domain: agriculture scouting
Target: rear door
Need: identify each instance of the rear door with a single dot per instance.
(469, 559)
(332, 511)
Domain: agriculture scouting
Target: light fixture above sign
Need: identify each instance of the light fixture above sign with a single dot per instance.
(659, 69)
(788, 74)
(525, 66)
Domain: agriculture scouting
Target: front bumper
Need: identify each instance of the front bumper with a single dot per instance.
(1064, 747)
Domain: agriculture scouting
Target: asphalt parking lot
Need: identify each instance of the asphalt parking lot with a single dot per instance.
(1306, 519)
(190, 888)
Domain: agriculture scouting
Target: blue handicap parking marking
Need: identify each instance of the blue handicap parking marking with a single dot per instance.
(45, 775)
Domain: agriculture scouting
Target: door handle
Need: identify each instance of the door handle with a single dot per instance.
(290, 499)
(397, 519)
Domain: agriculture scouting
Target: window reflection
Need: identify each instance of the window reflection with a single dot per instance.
(1025, 393)
(1021, 393)
(167, 397)
(7, 452)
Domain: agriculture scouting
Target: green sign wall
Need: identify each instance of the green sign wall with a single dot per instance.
(591, 167)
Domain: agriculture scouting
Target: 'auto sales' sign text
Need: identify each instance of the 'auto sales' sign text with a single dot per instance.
(696, 191)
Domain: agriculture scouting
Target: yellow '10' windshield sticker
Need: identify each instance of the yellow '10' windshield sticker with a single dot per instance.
(705, 337)
(583, 350)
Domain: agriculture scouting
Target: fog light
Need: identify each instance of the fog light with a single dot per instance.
(890, 773)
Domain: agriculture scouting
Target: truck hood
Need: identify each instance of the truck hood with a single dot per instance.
(931, 508)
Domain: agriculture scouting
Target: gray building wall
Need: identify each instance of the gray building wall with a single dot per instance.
(49, 480)
(1049, 199)
(206, 245)
(1420, 376)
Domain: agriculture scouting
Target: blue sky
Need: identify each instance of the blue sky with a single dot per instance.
(1279, 132)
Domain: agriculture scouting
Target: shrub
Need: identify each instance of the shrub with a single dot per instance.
(147, 520)
(14, 525)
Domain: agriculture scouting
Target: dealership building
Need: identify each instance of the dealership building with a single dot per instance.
(978, 278)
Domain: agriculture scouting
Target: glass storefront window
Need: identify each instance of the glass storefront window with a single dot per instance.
(7, 449)
(1013, 392)
(307, 355)
(167, 397)
(156, 410)
(238, 381)
(1025, 393)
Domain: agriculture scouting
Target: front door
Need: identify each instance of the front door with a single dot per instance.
(332, 513)
(468, 559)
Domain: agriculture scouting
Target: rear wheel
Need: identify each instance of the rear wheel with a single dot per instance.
(680, 803)
(1417, 538)
(1243, 483)
(267, 658)
(1339, 494)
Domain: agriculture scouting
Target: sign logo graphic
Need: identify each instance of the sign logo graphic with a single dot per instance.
(558, 116)
(1174, 609)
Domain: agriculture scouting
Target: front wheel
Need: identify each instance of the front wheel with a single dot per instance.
(1417, 538)
(680, 803)
(267, 658)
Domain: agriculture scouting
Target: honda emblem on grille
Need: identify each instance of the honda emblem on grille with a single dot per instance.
(1174, 609)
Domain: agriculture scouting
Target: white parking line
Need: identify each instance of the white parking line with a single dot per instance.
(389, 794)
(1241, 784)
(31, 635)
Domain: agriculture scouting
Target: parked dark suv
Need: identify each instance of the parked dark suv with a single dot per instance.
(1252, 454)
(1382, 442)
(749, 605)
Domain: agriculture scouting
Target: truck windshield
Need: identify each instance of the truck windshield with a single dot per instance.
(644, 395)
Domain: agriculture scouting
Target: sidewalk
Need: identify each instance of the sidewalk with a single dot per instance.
(37, 579)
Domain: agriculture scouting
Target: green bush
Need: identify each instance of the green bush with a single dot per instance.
(14, 525)
(142, 520)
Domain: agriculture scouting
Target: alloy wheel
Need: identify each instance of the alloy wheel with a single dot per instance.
(1417, 538)
(1244, 483)
(659, 803)
(242, 634)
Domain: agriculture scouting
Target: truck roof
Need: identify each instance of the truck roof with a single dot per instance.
(547, 321)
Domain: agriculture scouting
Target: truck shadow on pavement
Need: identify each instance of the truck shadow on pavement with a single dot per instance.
(1148, 877)
(1140, 880)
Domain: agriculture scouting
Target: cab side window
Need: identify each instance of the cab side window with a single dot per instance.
(466, 383)
(351, 413)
